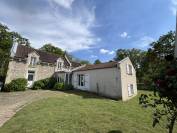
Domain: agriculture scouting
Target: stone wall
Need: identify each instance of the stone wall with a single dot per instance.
(44, 71)
(19, 69)
(16, 69)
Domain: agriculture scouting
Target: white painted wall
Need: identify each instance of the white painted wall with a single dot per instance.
(105, 82)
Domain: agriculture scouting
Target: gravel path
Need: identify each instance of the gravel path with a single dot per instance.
(12, 102)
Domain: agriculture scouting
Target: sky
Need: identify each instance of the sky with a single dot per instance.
(90, 29)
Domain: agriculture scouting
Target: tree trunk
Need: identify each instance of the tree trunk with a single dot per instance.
(172, 123)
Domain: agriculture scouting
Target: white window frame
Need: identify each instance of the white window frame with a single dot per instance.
(131, 90)
(81, 80)
(60, 64)
(33, 61)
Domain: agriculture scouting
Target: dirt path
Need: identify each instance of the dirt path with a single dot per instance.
(11, 102)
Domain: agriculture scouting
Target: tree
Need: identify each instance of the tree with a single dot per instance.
(137, 57)
(52, 49)
(5, 46)
(155, 61)
(160, 69)
(164, 99)
(6, 40)
(97, 61)
(84, 62)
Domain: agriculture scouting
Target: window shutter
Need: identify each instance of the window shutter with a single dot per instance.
(127, 68)
(132, 70)
(129, 90)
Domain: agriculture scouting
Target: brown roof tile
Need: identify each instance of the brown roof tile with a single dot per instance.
(99, 66)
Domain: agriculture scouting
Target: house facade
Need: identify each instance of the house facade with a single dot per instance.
(35, 65)
(112, 79)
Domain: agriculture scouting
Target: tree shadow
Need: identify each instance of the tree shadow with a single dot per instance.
(115, 131)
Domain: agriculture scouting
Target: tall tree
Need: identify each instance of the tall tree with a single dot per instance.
(6, 40)
(160, 69)
(52, 49)
(5, 46)
(155, 62)
(97, 61)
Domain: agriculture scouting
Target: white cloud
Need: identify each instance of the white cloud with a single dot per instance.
(173, 6)
(105, 51)
(64, 3)
(143, 42)
(70, 30)
(124, 35)
(93, 56)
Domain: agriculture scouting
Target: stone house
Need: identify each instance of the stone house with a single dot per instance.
(112, 79)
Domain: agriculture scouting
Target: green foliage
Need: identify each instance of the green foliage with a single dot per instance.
(84, 62)
(52, 49)
(155, 59)
(97, 61)
(38, 85)
(47, 83)
(59, 86)
(68, 87)
(19, 84)
(6, 41)
(62, 86)
(164, 100)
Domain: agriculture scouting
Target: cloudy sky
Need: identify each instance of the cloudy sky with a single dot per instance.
(90, 29)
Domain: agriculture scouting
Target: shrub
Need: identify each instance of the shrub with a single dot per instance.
(62, 86)
(19, 84)
(68, 87)
(47, 83)
(38, 85)
(59, 86)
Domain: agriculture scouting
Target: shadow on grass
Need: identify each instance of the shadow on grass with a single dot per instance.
(86, 94)
(115, 131)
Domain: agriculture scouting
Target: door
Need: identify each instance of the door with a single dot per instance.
(31, 75)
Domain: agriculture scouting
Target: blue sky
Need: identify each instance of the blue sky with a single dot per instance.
(90, 29)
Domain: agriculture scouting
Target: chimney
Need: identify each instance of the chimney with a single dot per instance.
(176, 38)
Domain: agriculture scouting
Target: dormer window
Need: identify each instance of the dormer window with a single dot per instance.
(60, 64)
(33, 61)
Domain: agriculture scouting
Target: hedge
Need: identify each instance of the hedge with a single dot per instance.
(19, 84)
(47, 83)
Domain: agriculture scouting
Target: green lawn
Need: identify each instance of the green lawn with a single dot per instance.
(82, 113)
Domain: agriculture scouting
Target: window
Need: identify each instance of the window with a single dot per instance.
(81, 80)
(31, 75)
(129, 69)
(130, 90)
(59, 65)
(33, 61)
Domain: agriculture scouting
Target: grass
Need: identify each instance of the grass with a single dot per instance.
(80, 112)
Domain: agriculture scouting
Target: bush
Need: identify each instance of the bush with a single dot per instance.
(38, 85)
(59, 86)
(68, 87)
(62, 86)
(19, 84)
(47, 83)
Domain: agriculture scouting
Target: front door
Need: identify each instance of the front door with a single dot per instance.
(31, 75)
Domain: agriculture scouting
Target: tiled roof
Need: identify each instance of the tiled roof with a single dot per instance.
(23, 51)
(99, 66)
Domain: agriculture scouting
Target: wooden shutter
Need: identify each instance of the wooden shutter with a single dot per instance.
(87, 81)
(127, 68)
(129, 90)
